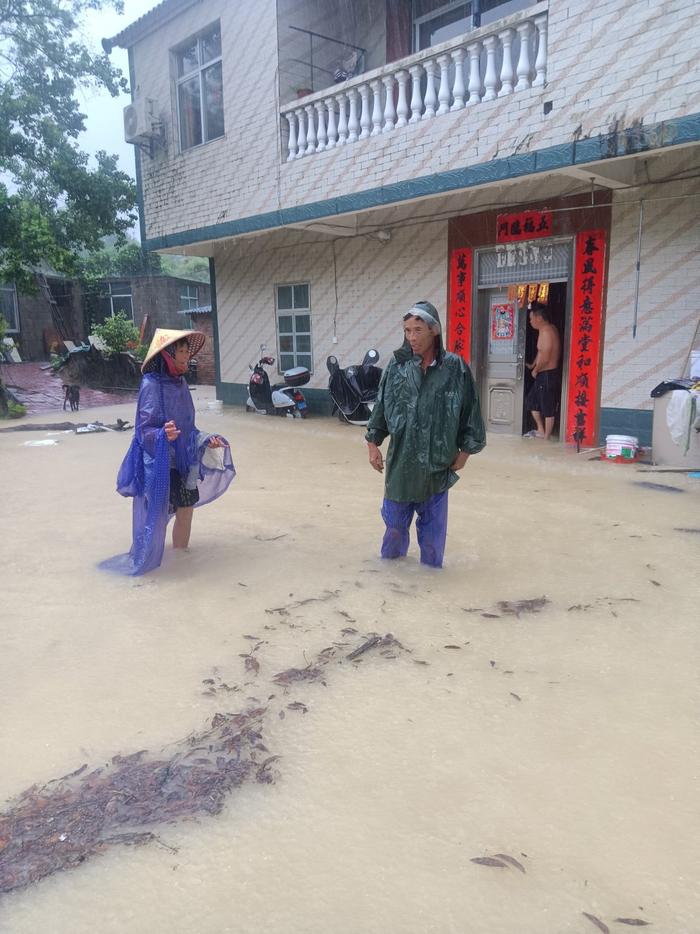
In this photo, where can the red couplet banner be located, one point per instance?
(527, 225)
(586, 337)
(459, 306)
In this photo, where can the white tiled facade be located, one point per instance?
(609, 65)
(669, 291)
(376, 283)
(615, 70)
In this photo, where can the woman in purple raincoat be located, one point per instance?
(170, 466)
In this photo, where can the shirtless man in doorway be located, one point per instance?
(543, 398)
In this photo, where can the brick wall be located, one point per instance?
(37, 327)
(206, 373)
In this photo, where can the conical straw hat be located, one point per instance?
(164, 337)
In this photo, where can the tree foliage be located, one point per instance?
(125, 260)
(53, 203)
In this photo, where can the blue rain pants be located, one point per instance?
(431, 528)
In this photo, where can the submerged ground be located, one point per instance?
(565, 737)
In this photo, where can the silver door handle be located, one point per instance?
(519, 371)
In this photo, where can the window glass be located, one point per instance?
(211, 45)
(294, 329)
(284, 298)
(286, 362)
(301, 296)
(122, 303)
(187, 61)
(200, 99)
(188, 297)
(436, 21)
(190, 113)
(491, 10)
(8, 307)
(213, 102)
(447, 25)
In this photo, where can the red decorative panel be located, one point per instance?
(586, 337)
(528, 225)
(459, 308)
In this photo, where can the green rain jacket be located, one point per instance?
(430, 417)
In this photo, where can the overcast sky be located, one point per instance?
(104, 114)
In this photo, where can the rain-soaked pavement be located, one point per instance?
(41, 390)
(521, 756)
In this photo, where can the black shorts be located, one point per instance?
(544, 394)
(180, 496)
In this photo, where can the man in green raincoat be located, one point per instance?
(429, 406)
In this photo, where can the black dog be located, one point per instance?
(73, 396)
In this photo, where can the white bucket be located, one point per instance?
(623, 446)
(695, 364)
(216, 407)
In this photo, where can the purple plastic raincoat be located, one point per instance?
(145, 471)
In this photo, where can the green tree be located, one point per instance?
(54, 205)
(126, 260)
(118, 332)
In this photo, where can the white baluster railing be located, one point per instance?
(431, 99)
(475, 68)
(417, 95)
(506, 38)
(475, 85)
(332, 127)
(458, 89)
(389, 110)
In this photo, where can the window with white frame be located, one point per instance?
(436, 21)
(189, 297)
(200, 98)
(117, 298)
(8, 307)
(294, 326)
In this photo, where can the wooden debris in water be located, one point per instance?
(516, 607)
(511, 860)
(59, 825)
(601, 925)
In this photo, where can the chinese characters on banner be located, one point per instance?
(502, 321)
(586, 327)
(459, 310)
(524, 226)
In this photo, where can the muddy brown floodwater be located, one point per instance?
(525, 761)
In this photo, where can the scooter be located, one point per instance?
(354, 389)
(281, 399)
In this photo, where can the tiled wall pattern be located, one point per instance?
(215, 182)
(611, 64)
(669, 289)
(376, 284)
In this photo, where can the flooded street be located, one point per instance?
(562, 734)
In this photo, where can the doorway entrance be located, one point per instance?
(504, 340)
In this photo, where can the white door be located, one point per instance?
(504, 370)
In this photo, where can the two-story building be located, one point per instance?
(338, 161)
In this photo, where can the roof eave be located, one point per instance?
(148, 23)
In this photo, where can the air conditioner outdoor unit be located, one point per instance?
(139, 121)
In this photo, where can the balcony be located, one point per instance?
(488, 63)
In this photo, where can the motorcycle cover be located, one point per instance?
(354, 386)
